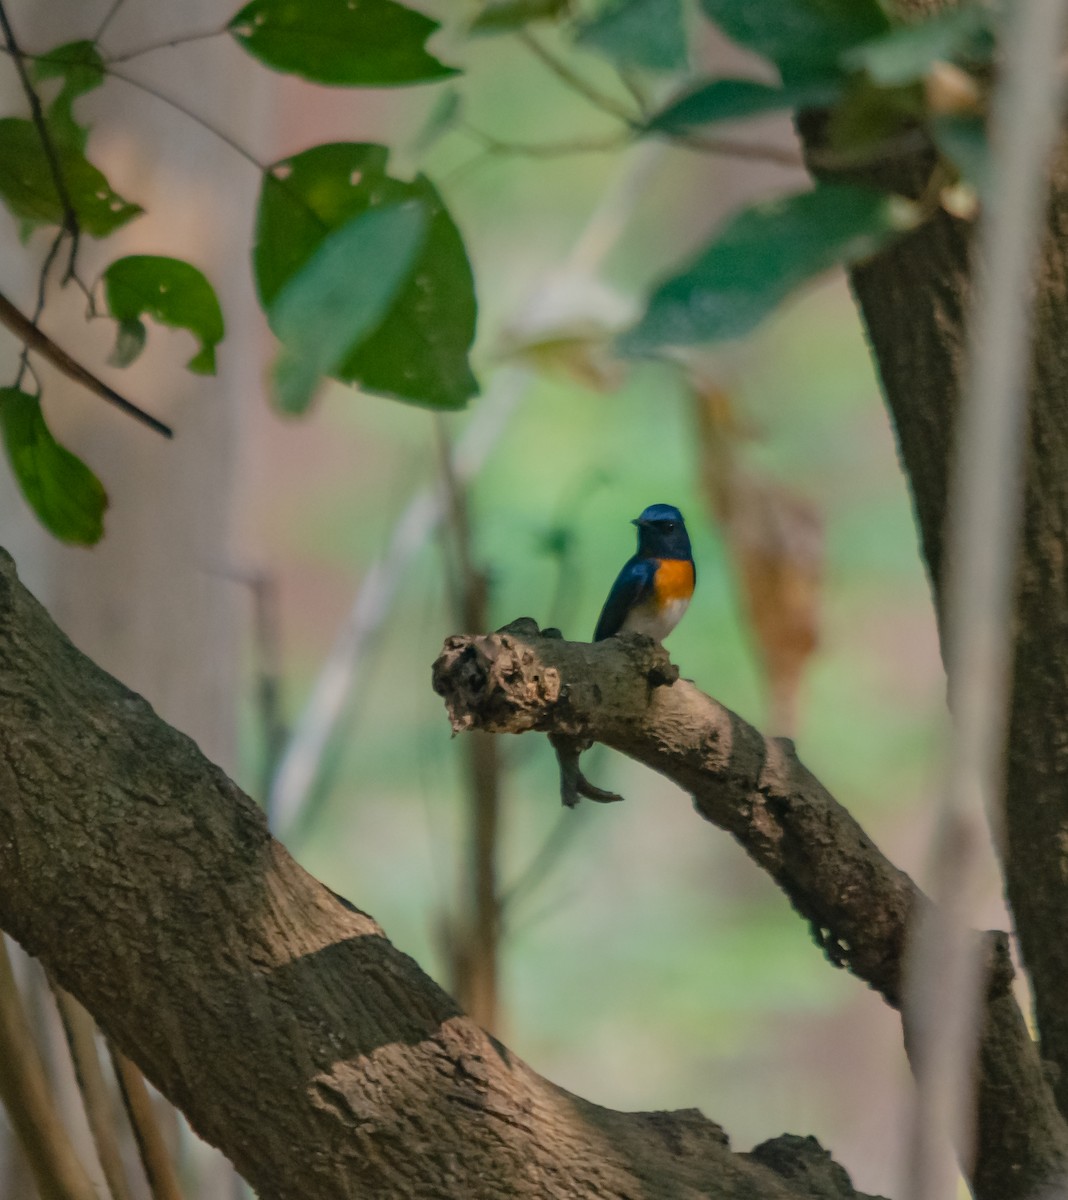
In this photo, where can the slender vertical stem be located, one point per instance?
(96, 1095)
(155, 1157)
(985, 506)
(27, 1098)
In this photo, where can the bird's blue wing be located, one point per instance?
(633, 586)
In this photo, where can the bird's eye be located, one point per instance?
(669, 526)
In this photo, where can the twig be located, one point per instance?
(476, 950)
(984, 513)
(70, 218)
(196, 118)
(42, 287)
(40, 343)
(164, 44)
(734, 148)
(96, 1095)
(102, 28)
(314, 728)
(561, 149)
(575, 81)
(156, 1159)
(26, 1097)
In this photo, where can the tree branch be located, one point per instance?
(278, 1017)
(858, 905)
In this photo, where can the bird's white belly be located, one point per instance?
(653, 622)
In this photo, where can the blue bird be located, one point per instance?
(654, 588)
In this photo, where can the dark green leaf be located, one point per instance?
(907, 53)
(361, 43)
(868, 116)
(340, 295)
(171, 292)
(638, 33)
(803, 38)
(28, 189)
(129, 342)
(81, 68)
(733, 99)
(760, 256)
(67, 497)
(419, 352)
(505, 16)
(962, 139)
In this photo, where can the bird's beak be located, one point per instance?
(638, 521)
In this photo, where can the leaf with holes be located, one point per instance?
(361, 43)
(761, 255)
(66, 496)
(81, 68)
(340, 295)
(171, 292)
(638, 33)
(28, 189)
(736, 99)
(419, 350)
(805, 39)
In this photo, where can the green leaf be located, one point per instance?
(28, 189)
(907, 53)
(81, 68)
(340, 295)
(962, 139)
(129, 342)
(803, 38)
(868, 116)
(760, 256)
(444, 115)
(171, 292)
(67, 497)
(638, 33)
(359, 43)
(734, 99)
(505, 16)
(419, 351)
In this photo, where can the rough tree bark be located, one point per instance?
(275, 1014)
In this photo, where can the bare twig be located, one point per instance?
(984, 509)
(476, 942)
(164, 44)
(155, 1157)
(561, 149)
(196, 118)
(106, 20)
(26, 1097)
(96, 1095)
(40, 343)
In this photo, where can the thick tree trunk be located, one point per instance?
(276, 1015)
(914, 303)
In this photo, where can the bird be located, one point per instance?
(653, 589)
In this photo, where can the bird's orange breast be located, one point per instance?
(674, 580)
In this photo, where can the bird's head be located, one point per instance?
(662, 533)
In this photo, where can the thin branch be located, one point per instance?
(102, 28)
(40, 343)
(164, 44)
(859, 907)
(155, 1157)
(42, 287)
(26, 1096)
(561, 149)
(984, 512)
(576, 82)
(735, 148)
(70, 218)
(203, 122)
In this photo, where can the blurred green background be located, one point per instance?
(651, 966)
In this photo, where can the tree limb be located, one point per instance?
(858, 905)
(320, 1059)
